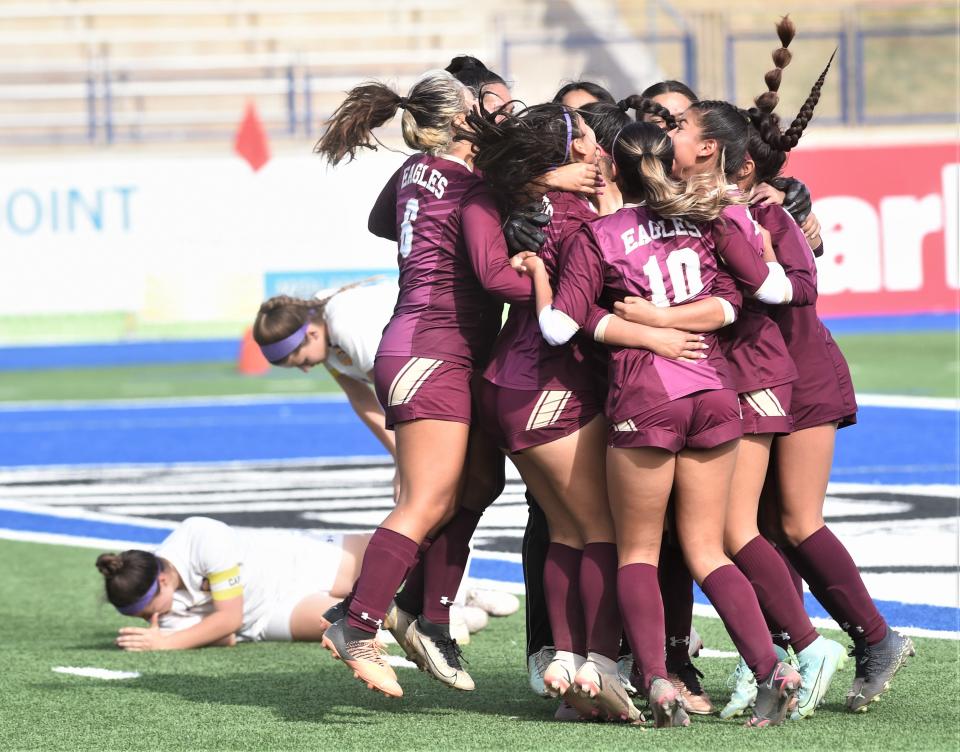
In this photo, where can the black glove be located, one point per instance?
(522, 229)
(796, 198)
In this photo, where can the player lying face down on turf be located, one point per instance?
(822, 400)
(674, 425)
(454, 277)
(339, 329)
(208, 584)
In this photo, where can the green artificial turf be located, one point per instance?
(918, 363)
(294, 696)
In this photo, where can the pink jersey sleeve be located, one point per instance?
(580, 279)
(383, 216)
(793, 253)
(740, 247)
(483, 238)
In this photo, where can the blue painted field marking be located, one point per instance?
(889, 444)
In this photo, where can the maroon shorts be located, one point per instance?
(411, 388)
(767, 410)
(698, 421)
(519, 418)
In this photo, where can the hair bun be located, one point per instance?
(464, 62)
(109, 564)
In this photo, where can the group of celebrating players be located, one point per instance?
(662, 384)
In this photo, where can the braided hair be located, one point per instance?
(642, 105)
(607, 120)
(768, 144)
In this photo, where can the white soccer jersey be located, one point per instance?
(270, 568)
(355, 321)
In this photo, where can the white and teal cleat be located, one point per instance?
(817, 663)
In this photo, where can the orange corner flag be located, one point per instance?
(251, 361)
(251, 141)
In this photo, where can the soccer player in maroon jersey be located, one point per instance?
(675, 425)
(452, 259)
(823, 400)
(546, 404)
(711, 134)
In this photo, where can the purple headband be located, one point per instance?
(566, 117)
(137, 606)
(275, 352)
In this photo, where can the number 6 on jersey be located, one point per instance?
(406, 227)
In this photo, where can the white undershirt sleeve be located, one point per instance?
(557, 328)
(776, 288)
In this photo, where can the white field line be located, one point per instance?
(244, 400)
(700, 609)
(96, 673)
(904, 400)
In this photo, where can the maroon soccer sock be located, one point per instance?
(676, 590)
(730, 593)
(410, 599)
(598, 593)
(775, 592)
(794, 574)
(638, 591)
(835, 581)
(561, 586)
(388, 557)
(444, 565)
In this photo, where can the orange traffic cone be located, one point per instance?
(251, 361)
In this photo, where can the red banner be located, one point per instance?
(889, 223)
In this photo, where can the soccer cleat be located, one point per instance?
(625, 667)
(690, 692)
(744, 686)
(880, 663)
(336, 612)
(361, 652)
(472, 617)
(665, 705)
(858, 652)
(397, 622)
(558, 680)
(439, 653)
(536, 665)
(775, 695)
(494, 602)
(597, 679)
(817, 663)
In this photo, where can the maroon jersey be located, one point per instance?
(823, 391)
(454, 269)
(754, 346)
(521, 358)
(666, 261)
